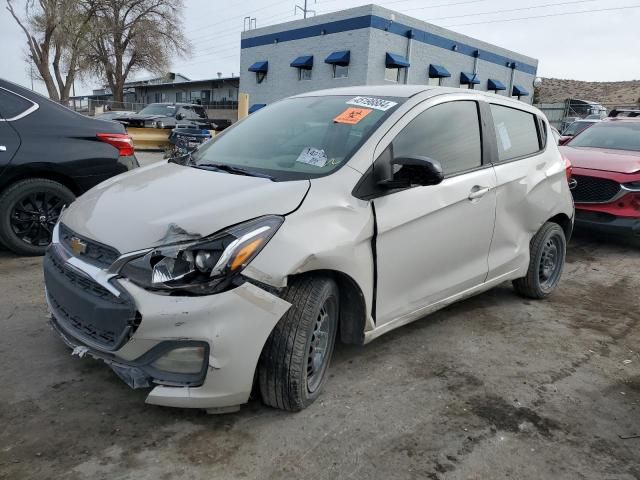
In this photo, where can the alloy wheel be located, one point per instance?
(34, 216)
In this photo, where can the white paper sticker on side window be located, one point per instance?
(370, 102)
(503, 133)
(313, 156)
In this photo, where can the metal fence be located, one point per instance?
(94, 107)
(560, 115)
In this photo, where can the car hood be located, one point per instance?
(620, 161)
(141, 117)
(168, 203)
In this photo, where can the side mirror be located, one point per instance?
(416, 170)
(180, 116)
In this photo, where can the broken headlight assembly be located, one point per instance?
(203, 266)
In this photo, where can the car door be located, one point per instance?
(12, 106)
(433, 241)
(524, 190)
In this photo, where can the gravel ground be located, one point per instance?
(495, 387)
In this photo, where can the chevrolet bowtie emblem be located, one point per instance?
(78, 246)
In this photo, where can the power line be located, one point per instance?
(513, 9)
(545, 16)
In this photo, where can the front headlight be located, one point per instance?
(203, 266)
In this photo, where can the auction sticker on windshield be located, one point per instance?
(313, 156)
(371, 102)
(352, 115)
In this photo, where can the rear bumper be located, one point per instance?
(608, 223)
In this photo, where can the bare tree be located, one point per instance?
(133, 35)
(56, 32)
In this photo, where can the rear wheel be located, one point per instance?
(29, 209)
(296, 356)
(548, 249)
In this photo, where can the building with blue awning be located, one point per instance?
(372, 45)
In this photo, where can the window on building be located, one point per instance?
(392, 74)
(340, 71)
(179, 97)
(260, 76)
(304, 74)
(434, 82)
(448, 133)
(158, 97)
(516, 132)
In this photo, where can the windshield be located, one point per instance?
(577, 127)
(614, 135)
(298, 138)
(158, 109)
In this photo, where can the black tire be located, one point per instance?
(28, 211)
(290, 376)
(548, 250)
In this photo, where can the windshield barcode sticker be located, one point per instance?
(313, 156)
(370, 102)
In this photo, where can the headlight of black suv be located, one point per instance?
(203, 266)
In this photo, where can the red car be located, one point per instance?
(606, 175)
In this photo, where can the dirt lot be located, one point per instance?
(495, 387)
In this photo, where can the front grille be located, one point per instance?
(85, 309)
(594, 189)
(94, 253)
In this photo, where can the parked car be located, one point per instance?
(168, 115)
(342, 213)
(49, 155)
(575, 128)
(606, 170)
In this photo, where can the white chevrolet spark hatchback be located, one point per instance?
(341, 213)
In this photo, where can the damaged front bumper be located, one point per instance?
(231, 327)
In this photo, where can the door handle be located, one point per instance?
(478, 192)
(3, 148)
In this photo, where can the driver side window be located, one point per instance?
(448, 133)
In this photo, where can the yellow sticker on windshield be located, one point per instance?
(352, 115)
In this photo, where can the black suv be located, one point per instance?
(49, 155)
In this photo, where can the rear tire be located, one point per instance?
(548, 250)
(295, 359)
(29, 210)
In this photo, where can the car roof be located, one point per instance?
(621, 119)
(176, 104)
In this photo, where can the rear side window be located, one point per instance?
(516, 132)
(12, 105)
(448, 133)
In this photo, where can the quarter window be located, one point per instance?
(516, 132)
(448, 133)
(12, 105)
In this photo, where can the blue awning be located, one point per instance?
(438, 71)
(339, 58)
(396, 61)
(306, 62)
(495, 85)
(256, 106)
(469, 79)
(518, 91)
(259, 67)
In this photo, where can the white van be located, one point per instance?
(340, 213)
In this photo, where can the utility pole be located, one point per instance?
(304, 10)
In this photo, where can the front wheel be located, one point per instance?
(29, 209)
(296, 356)
(548, 249)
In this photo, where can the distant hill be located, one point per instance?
(606, 93)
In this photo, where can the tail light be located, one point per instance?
(121, 141)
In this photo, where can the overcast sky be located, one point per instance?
(596, 46)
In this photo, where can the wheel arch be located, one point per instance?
(353, 310)
(29, 174)
(565, 223)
